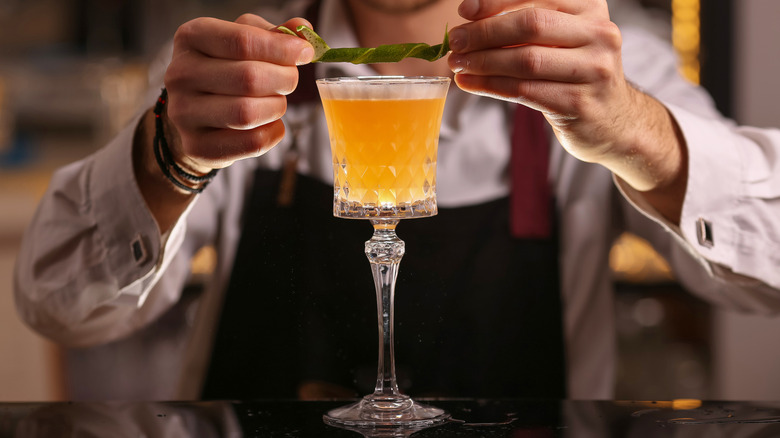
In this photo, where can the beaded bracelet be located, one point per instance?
(165, 159)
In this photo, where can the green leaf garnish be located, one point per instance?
(372, 55)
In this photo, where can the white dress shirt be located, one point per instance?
(80, 282)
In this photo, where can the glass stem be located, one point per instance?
(384, 252)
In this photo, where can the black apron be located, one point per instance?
(477, 312)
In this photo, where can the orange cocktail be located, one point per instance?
(384, 149)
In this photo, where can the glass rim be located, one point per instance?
(382, 79)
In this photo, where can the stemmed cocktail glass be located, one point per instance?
(384, 135)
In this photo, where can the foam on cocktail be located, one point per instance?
(385, 87)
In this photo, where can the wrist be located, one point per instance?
(654, 152)
(165, 201)
(185, 175)
(653, 159)
(174, 143)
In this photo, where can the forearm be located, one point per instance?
(650, 155)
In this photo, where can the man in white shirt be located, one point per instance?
(109, 249)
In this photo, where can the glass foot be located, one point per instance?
(398, 412)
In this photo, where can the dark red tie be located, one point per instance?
(530, 198)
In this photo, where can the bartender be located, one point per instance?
(502, 294)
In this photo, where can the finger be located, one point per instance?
(214, 111)
(235, 78)
(257, 21)
(531, 26)
(529, 62)
(479, 9)
(227, 40)
(217, 148)
(535, 94)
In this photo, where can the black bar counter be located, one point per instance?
(470, 418)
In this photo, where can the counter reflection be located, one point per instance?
(471, 418)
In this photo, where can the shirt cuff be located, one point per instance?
(716, 212)
(129, 232)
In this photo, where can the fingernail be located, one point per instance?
(306, 55)
(457, 63)
(458, 39)
(468, 8)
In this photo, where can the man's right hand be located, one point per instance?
(227, 83)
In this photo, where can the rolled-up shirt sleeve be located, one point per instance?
(92, 251)
(726, 245)
(731, 211)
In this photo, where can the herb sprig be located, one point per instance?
(370, 55)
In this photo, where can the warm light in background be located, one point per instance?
(632, 259)
(686, 36)
(678, 404)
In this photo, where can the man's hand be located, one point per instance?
(563, 57)
(227, 84)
